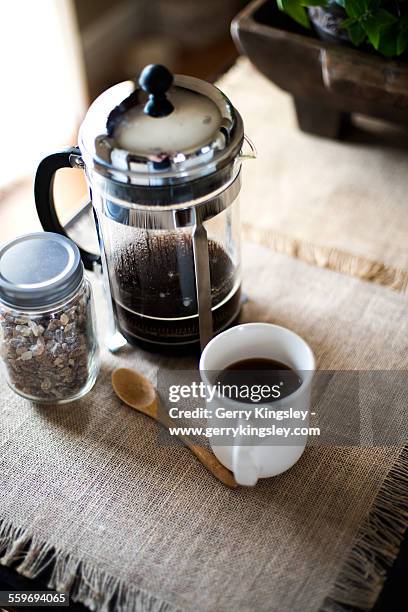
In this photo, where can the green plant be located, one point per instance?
(382, 24)
(297, 9)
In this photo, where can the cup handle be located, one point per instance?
(44, 198)
(244, 464)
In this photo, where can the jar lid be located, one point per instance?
(39, 270)
(160, 130)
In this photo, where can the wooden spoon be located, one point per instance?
(137, 391)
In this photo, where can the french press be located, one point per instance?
(163, 163)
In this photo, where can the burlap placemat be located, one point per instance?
(337, 204)
(144, 523)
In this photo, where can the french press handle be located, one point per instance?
(44, 196)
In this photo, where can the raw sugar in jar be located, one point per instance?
(48, 339)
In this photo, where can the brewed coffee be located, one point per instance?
(154, 295)
(258, 372)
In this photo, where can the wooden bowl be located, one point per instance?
(327, 81)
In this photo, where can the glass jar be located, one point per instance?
(47, 325)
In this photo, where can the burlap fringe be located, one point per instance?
(358, 583)
(376, 545)
(333, 259)
(92, 587)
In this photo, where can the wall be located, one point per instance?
(120, 36)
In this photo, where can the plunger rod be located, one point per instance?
(203, 284)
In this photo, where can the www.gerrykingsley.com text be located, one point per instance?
(245, 431)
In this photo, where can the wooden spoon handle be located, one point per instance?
(207, 458)
(210, 461)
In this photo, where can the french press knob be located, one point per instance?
(156, 80)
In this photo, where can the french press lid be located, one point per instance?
(161, 131)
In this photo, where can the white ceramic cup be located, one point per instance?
(267, 341)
